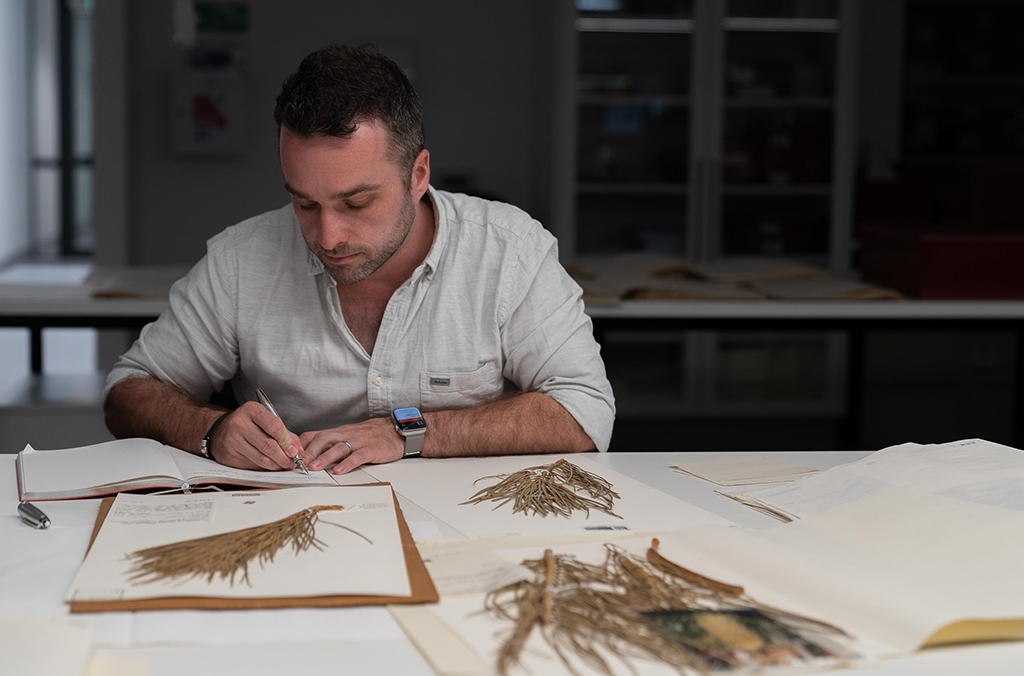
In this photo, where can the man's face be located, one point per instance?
(353, 203)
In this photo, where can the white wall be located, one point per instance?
(474, 75)
(14, 149)
(110, 134)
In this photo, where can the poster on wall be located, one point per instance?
(207, 113)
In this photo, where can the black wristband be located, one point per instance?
(204, 447)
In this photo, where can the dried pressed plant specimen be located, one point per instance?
(591, 614)
(229, 554)
(549, 489)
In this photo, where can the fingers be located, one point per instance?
(331, 454)
(274, 427)
(319, 442)
(251, 438)
(357, 458)
(373, 441)
(298, 445)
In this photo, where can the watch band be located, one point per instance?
(204, 446)
(413, 445)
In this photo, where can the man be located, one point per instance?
(370, 292)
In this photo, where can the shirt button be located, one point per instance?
(378, 381)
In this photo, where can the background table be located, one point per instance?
(37, 567)
(37, 308)
(854, 318)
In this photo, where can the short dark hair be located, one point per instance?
(338, 87)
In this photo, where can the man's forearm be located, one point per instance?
(144, 407)
(526, 423)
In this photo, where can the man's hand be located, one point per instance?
(373, 442)
(251, 437)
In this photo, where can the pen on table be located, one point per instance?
(265, 400)
(33, 516)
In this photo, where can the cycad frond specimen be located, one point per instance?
(549, 489)
(594, 613)
(229, 554)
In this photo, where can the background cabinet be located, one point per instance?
(710, 129)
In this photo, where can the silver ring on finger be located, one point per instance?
(350, 449)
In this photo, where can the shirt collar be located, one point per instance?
(433, 258)
(315, 266)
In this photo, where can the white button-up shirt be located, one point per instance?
(490, 310)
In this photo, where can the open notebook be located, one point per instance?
(143, 464)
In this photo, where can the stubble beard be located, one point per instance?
(353, 274)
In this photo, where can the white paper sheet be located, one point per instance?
(971, 470)
(891, 568)
(27, 645)
(793, 500)
(482, 633)
(446, 651)
(463, 573)
(191, 465)
(348, 564)
(745, 472)
(439, 485)
(111, 665)
(107, 463)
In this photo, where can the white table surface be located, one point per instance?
(50, 299)
(36, 567)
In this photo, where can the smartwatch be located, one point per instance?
(410, 424)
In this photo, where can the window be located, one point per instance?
(60, 85)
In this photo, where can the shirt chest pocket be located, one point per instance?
(458, 389)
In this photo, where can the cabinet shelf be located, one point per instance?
(633, 25)
(788, 189)
(928, 83)
(954, 158)
(779, 102)
(639, 100)
(780, 25)
(630, 188)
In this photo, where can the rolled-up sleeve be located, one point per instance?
(548, 340)
(193, 345)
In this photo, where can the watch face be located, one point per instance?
(409, 419)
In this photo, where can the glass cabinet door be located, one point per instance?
(651, 372)
(778, 94)
(765, 374)
(634, 60)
